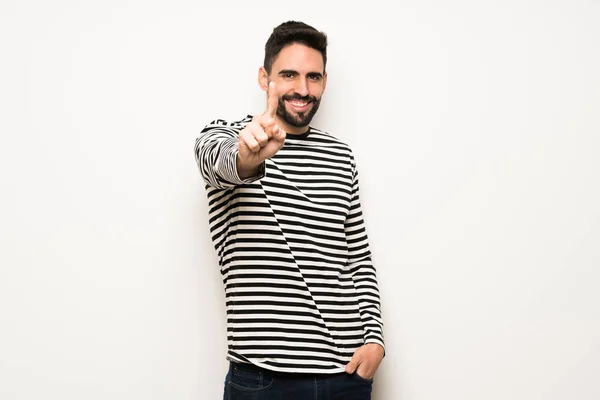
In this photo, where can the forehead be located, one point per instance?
(298, 57)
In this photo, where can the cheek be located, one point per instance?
(285, 89)
(316, 89)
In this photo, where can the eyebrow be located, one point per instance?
(292, 72)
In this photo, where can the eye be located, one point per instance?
(314, 77)
(288, 75)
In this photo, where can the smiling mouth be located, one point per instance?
(299, 105)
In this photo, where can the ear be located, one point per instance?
(263, 79)
(324, 81)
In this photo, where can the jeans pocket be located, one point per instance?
(248, 380)
(360, 378)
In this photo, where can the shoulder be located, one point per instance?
(326, 139)
(222, 128)
(335, 146)
(223, 123)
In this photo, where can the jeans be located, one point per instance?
(249, 382)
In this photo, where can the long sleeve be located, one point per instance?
(362, 269)
(216, 152)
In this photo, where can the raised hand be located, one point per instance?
(260, 139)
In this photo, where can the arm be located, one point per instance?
(229, 154)
(362, 270)
(366, 359)
(216, 152)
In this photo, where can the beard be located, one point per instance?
(301, 119)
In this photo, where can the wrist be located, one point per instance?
(246, 170)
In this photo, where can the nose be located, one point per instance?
(302, 87)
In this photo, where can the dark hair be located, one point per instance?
(294, 32)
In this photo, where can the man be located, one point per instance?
(303, 311)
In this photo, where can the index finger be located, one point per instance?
(272, 100)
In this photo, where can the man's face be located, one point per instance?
(298, 72)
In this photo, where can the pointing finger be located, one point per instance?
(272, 100)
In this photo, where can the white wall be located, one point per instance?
(475, 125)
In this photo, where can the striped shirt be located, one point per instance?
(300, 287)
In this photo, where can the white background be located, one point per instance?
(476, 129)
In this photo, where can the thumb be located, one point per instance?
(278, 134)
(354, 363)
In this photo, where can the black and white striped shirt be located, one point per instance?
(301, 289)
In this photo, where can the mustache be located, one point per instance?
(296, 96)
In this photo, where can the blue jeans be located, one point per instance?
(249, 382)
